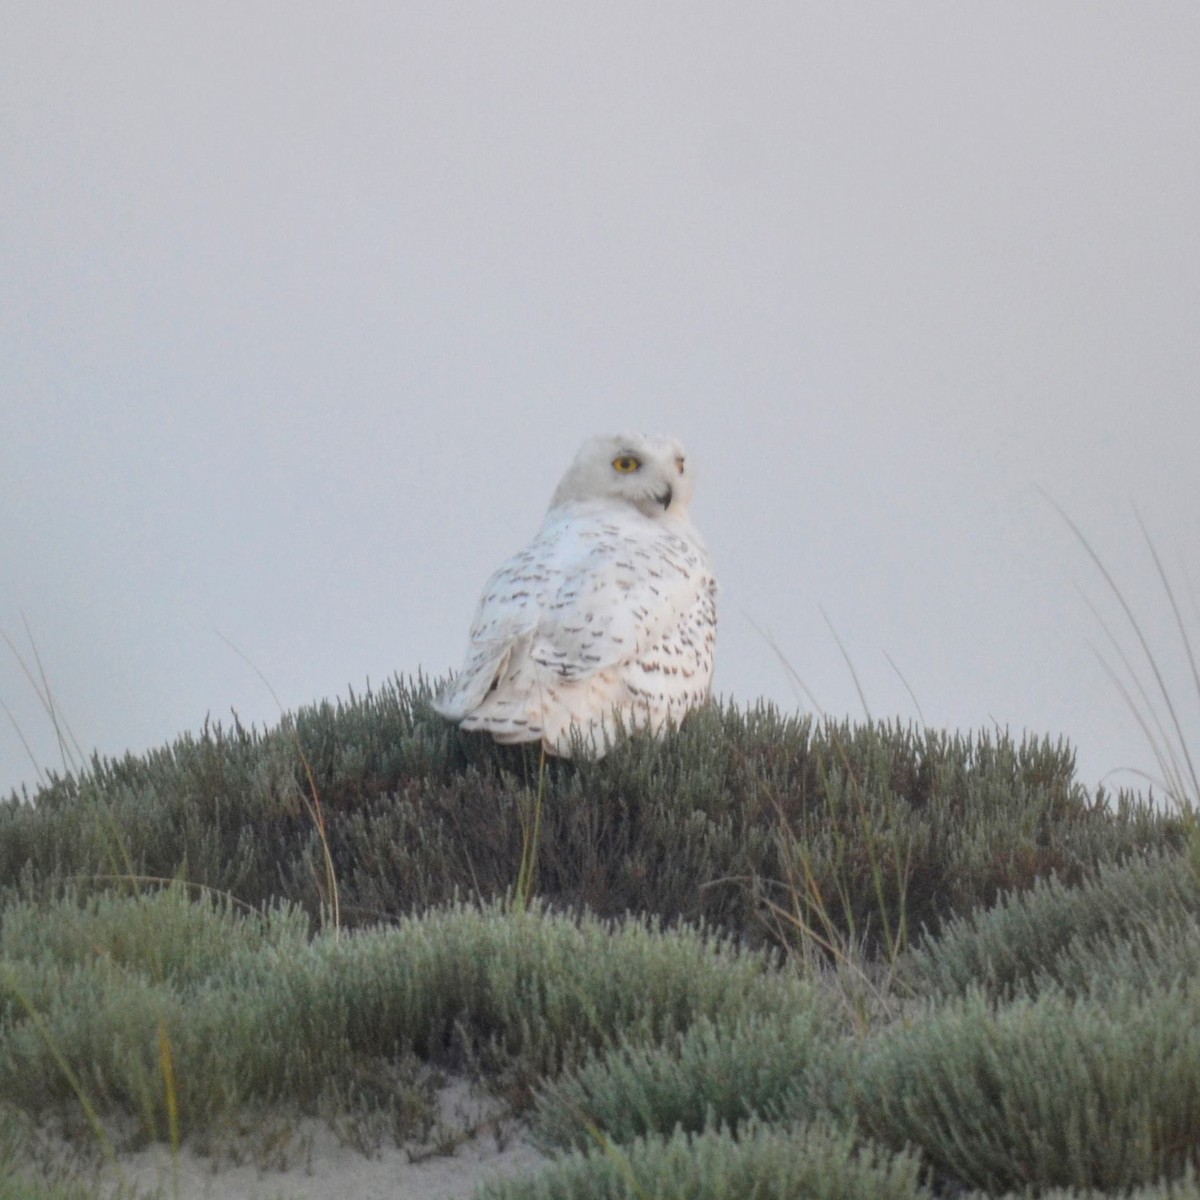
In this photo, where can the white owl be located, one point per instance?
(608, 615)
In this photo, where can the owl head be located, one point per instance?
(649, 473)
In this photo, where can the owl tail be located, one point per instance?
(470, 687)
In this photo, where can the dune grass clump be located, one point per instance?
(1186, 1187)
(281, 1018)
(712, 1075)
(1050, 1092)
(820, 1162)
(1133, 926)
(771, 827)
(160, 936)
(20, 1187)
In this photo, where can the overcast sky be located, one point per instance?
(305, 307)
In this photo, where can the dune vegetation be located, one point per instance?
(767, 956)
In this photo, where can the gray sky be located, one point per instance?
(305, 307)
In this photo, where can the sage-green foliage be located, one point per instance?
(1134, 925)
(817, 1162)
(21, 1187)
(1054, 1091)
(1095, 1085)
(713, 1074)
(280, 1017)
(891, 828)
(1185, 1187)
(764, 956)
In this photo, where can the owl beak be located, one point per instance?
(664, 497)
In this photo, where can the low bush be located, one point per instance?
(1187, 1187)
(861, 960)
(1134, 925)
(280, 1018)
(878, 830)
(818, 1162)
(713, 1074)
(1041, 1093)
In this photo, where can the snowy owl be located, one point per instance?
(607, 617)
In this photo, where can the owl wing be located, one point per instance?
(506, 614)
(624, 588)
(585, 595)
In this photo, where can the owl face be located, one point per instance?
(649, 473)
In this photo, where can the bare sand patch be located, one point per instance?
(307, 1159)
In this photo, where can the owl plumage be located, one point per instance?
(608, 616)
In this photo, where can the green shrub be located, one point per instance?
(280, 1017)
(162, 936)
(19, 1187)
(1185, 1188)
(816, 1162)
(713, 1074)
(1047, 1092)
(177, 908)
(1135, 925)
(892, 829)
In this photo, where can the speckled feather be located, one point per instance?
(608, 616)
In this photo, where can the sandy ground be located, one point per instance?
(308, 1161)
(330, 1171)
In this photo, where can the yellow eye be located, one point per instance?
(626, 464)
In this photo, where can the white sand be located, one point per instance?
(309, 1162)
(329, 1171)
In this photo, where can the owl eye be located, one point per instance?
(626, 464)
